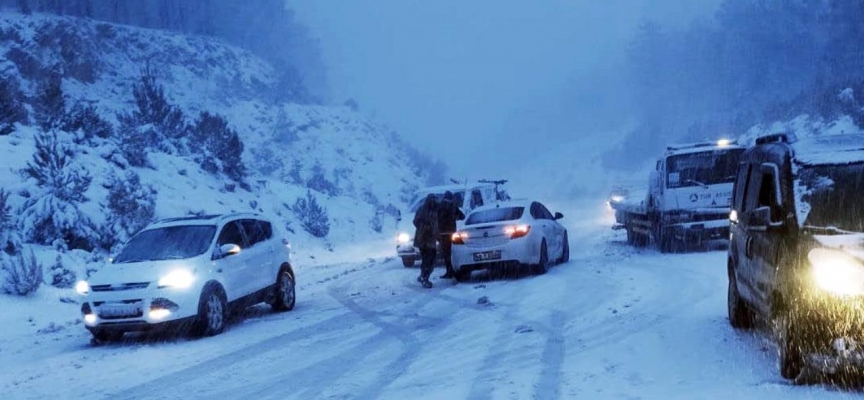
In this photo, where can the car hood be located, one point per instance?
(146, 271)
(852, 244)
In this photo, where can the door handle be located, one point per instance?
(748, 247)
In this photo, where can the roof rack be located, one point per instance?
(189, 218)
(777, 138)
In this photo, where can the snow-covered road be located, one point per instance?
(614, 322)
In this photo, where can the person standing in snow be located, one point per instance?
(426, 238)
(448, 214)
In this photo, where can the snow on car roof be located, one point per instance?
(830, 150)
(698, 148)
(504, 204)
(452, 188)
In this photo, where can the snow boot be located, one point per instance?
(426, 283)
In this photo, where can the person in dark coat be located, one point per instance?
(426, 238)
(448, 214)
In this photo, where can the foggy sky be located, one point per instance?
(479, 83)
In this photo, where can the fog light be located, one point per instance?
(159, 313)
(90, 319)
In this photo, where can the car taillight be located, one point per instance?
(517, 231)
(459, 237)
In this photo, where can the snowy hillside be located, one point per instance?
(359, 171)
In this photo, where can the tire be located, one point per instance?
(462, 274)
(285, 294)
(790, 360)
(739, 315)
(565, 253)
(664, 240)
(212, 311)
(106, 336)
(407, 262)
(542, 266)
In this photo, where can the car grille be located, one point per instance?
(120, 287)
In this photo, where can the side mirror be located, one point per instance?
(654, 180)
(558, 216)
(227, 249)
(398, 215)
(760, 220)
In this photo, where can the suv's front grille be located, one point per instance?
(119, 287)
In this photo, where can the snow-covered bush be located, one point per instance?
(21, 275)
(313, 217)
(211, 133)
(319, 182)
(49, 106)
(135, 140)
(55, 214)
(85, 118)
(131, 205)
(12, 109)
(9, 240)
(294, 176)
(61, 277)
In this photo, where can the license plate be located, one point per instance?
(119, 310)
(487, 255)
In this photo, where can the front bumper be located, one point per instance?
(138, 310)
(699, 232)
(407, 251)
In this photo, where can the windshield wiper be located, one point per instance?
(134, 260)
(828, 230)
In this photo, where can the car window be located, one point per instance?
(495, 215)
(740, 188)
(544, 212)
(232, 234)
(535, 213)
(256, 231)
(476, 199)
(768, 194)
(751, 193)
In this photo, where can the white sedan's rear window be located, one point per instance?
(495, 215)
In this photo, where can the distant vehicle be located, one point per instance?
(796, 254)
(688, 197)
(186, 272)
(515, 233)
(478, 194)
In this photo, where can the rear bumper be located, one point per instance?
(514, 252)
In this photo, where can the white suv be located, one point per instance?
(185, 273)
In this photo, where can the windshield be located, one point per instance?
(169, 243)
(705, 168)
(458, 199)
(833, 196)
(495, 215)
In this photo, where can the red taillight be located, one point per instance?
(459, 237)
(517, 231)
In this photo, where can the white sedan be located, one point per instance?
(516, 233)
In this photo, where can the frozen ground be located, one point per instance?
(612, 323)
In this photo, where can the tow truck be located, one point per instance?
(688, 197)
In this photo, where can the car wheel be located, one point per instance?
(790, 359)
(106, 336)
(408, 262)
(565, 253)
(286, 294)
(739, 314)
(211, 311)
(664, 240)
(462, 274)
(543, 265)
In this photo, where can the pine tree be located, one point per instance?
(12, 110)
(61, 277)
(50, 104)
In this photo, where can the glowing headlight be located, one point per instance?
(724, 143)
(403, 238)
(837, 272)
(82, 287)
(617, 199)
(180, 279)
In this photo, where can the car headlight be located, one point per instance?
(180, 279)
(82, 287)
(617, 199)
(403, 238)
(837, 272)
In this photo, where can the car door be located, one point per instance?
(233, 268)
(555, 234)
(260, 256)
(738, 231)
(763, 245)
(541, 224)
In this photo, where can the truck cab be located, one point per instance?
(467, 196)
(688, 197)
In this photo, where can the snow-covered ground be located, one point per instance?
(614, 322)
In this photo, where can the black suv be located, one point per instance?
(796, 253)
